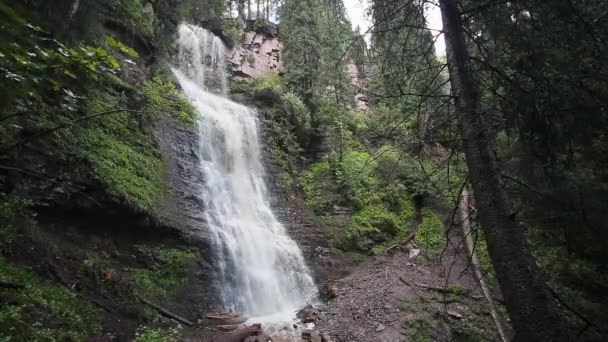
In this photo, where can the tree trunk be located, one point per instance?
(257, 11)
(241, 10)
(531, 307)
(74, 8)
(248, 9)
(267, 9)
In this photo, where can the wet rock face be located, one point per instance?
(258, 55)
(183, 206)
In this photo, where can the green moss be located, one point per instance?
(42, 312)
(163, 100)
(431, 233)
(121, 147)
(419, 329)
(169, 276)
(133, 172)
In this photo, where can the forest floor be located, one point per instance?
(384, 299)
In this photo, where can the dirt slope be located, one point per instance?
(381, 301)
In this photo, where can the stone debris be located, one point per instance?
(454, 314)
(414, 252)
(315, 336)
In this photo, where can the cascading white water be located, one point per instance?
(261, 270)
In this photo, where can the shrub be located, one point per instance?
(357, 177)
(320, 188)
(172, 274)
(419, 329)
(232, 31)
(431, 233)
(263, 26)
(372, 225)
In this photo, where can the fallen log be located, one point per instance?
(223, 315)
(404, 281)
(228, 327)
(165, 312)
(11, 285)
(240, 334)
(434, 288)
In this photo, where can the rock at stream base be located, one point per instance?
(315, 336)
(308, 314)
(260, 338)
(328, 291)
(414, 253)
(380, 327)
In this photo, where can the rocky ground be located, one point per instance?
(387, 298)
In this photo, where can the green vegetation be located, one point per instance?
(148, 334)
(459, 290)
(42, 312)
(170, 276)
(320, 189)
(406, 305)
(232, 31)
(132, 15)
(419, 329)
(75, 90)
(431, 233)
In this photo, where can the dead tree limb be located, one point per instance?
(433, 288)
(465, 222)
(165, 312)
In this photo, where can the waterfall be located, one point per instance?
(260, 269)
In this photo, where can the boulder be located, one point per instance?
(328, 291)
(308, 314)
(312, 336)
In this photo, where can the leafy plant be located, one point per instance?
(150, 334)
(169, 276)
(419, 329)
(431, 233)
(43, 312)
